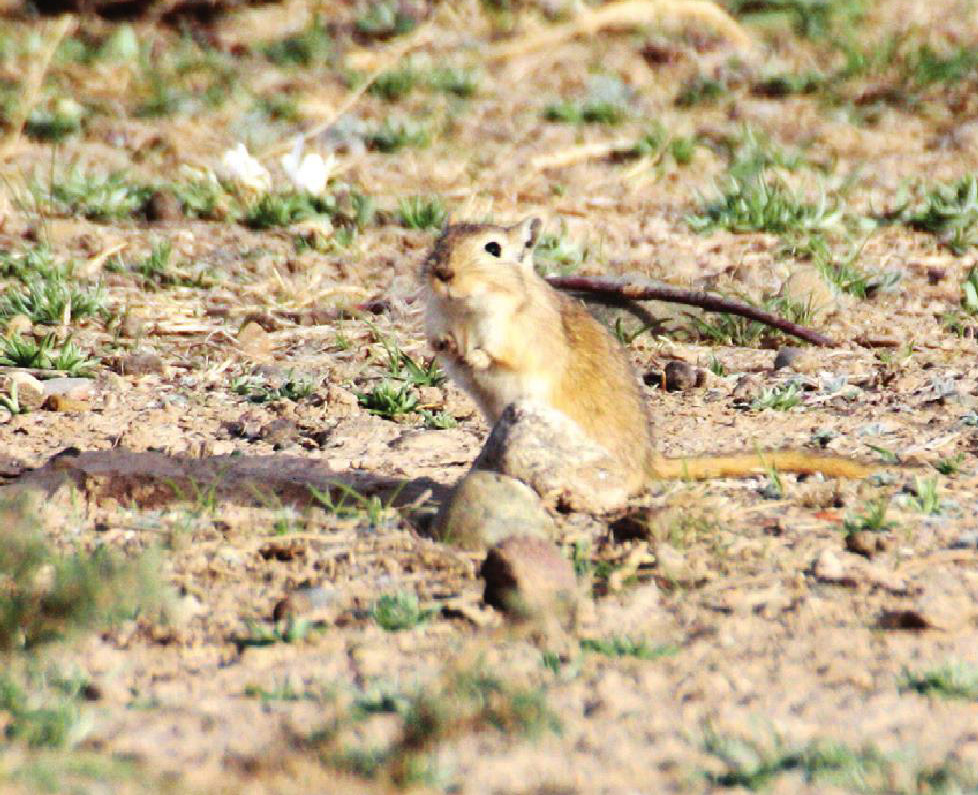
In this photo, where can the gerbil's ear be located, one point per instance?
(526, 234)
(529, 231)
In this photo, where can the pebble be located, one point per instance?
(828, 567)
(549, 452)
(254, 340)
(163, 205)
(866, 543)
(138, 364)
(131, 326)
(681, 376)
(30, 391)
(801, 360)
(487, 507)
(527, 576)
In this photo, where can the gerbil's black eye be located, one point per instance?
(494, 248)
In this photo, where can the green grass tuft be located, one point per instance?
(47, 595)
(958, 682)
(98, 197)
(763, 204)
(422, 212)
(400, 611)
(394, 135)
(49, 299)
(620, 646)
(949, 212)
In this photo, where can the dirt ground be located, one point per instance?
(763, 633)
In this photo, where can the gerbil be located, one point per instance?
(504, 334)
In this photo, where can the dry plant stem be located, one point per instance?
(634, 291)
(382, 63)
(33, 83)
(626, 14)
(575, 154)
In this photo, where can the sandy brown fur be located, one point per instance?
(505, 335)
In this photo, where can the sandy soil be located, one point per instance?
(770, 637)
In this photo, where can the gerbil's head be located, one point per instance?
(469, 260)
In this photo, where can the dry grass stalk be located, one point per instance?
(380, 63)
(33, 83)
(576, 154)
(627, 14)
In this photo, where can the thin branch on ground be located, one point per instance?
(640, 290)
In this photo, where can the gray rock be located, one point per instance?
(801, 360)
(547, 451)
(487, 507)
(30, 391)
(138, 364)
(680, 377)
(785, 357)
(527, 576)
(309, 602)
(279, 432)
(254, 340)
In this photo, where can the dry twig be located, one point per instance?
(627, 14)
(634, 290)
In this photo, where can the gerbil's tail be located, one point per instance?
(741, 465)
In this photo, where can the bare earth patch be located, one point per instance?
(261, 441)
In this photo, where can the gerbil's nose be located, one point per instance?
(443, 273)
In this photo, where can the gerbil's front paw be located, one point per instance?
(478, 359)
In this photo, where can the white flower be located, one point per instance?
(309, 173)
(239, 166)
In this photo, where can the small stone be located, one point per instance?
(549, 452)
(801, 360)
(30, 391)
(254, 340)
(318, 603)
(138, 364)
(279, 432)
(527, 576)
(747, 387)
(342, 402)
(487, 507)
(785, 357)
(163, 205)
(828, 567)
(431, 397)
(19, 325)
(681, 376)
(865, 543)
(131, 326)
